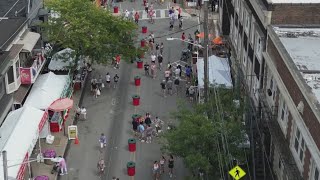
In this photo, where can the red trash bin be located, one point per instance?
(115, 9)
(136, 100)
(139, 64)
(137, 80)
(144, 29)
(132, 144)
(131, 168)
(142, 43)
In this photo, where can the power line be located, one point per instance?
(9, 10)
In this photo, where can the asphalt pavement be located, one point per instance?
(111, 113)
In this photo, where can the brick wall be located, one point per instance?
(308, 116)
(306, 165)
(296, 14)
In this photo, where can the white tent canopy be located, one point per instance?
(62, 60)
(45, 90)
(219, 72)
(19, 134)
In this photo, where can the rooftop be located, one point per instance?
(293, 1)
(10, 7)
(9, 27)
(303, 45)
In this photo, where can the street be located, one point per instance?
(111, 112)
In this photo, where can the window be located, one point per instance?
(10, 75)
(299, 145)
(284, 111)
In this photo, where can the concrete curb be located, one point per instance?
(75, 120)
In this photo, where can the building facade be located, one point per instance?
(20, 51)
(283, 107)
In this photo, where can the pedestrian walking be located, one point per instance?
(147, 120)
(158, 124)
(183, 36)
(141, 131)
(171, 165)
(151, 16)
(162, 162)
(153, 70)
(188, 73)
(83, 112)
(177, 72)
(180, 68)
(135, 126)
(63, 166)
(176, 84)
(163, 87)
(167, 74)
(146, 69)
(118, 58)
(153, 58)
(108, 79)
(136, 18)
(191, 93)
(171, 24)
(126, 14)
(95, 89)
(160, 59)
(115, 80)
(146, 8)
(180, 23)
(161, 48)
(148, 133)
(100, 82)
(156, 170)
(169, 86)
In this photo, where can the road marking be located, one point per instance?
(144, 15)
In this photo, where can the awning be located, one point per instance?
(21, 93)
(47, 88)
(29, 41)
(19, 134)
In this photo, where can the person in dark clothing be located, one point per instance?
(148, 121)
(135, 126)
(146, 69)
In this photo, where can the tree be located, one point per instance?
(208, 135)
(89, 30)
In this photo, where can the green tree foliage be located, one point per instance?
(202, 131)
(89, 30)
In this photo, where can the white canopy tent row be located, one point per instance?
(19, 134)
(219, 73)
(48, 88)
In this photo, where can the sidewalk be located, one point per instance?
(61, 143)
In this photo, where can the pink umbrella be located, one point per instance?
(61, 104)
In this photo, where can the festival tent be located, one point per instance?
(62, 60)
(46, 90)
(219, 72)
(19, 134)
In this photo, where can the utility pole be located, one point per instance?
(206, 54)
(5, 165)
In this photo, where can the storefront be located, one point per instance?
(19, 134)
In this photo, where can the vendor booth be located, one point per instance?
(19, 134)
(62, 60)
(219, 73)
(47, 89)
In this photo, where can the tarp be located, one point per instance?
(19, 134)
(62, 60)
(219, 72)
(46, 90)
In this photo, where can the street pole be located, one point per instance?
(206, 55)
(5, 165)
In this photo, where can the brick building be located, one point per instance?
(275, 57)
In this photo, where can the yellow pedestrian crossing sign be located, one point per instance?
(237, 173)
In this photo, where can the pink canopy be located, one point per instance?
(61, 104)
